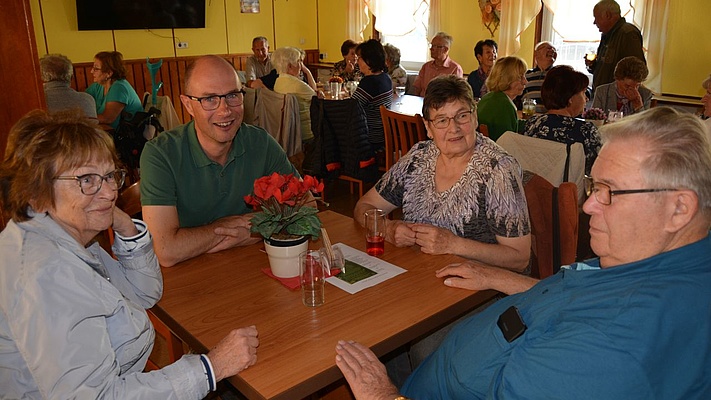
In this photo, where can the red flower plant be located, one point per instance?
(282, 200)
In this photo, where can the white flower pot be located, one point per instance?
(284, 255)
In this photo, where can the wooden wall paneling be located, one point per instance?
(176, 73)
(20, 81)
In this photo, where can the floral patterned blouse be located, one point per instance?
(564, 129)
(487, 201)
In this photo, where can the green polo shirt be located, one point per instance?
(175, 171)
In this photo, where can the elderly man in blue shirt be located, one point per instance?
(630, 324)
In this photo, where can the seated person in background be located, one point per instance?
(348, 68)
(73, 320)
(289, 63)
(706, 100)
(496, 109)
(374, 90)
(259, 64)
(563, 94)
(110, 90)
(543, 59)
(57, 72)
(460, 193)
(194, 177)
(485, 53)
(267, 81)
(592, 331)
(440, 64)
(397, 73)
(626, 93)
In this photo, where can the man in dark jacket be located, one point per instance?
(619, 39)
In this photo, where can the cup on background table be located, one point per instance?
(613, 116)
(314, 268)
(335, 90)
(529, 108)
(375, 232)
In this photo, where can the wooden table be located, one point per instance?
(204, 298)
(411, 105)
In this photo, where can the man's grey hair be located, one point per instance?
(260, 39)
(610, 6)
(706, 84)
(541, 44)
(447, 38)
(285, 56)
(679, 149)
(56, 67)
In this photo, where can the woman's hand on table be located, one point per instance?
(399, 233)
(433, 239)
(236, 352)
(122, 224)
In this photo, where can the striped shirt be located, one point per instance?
(374, 91)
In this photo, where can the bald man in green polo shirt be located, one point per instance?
(194, 177)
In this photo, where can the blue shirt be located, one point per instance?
(636, 331)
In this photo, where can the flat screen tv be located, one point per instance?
(93, 15)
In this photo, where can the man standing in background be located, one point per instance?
(619, 39)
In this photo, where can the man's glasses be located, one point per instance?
(436, 46)
(209, 103)
(462, 118)
(90, 184)
(603, 193)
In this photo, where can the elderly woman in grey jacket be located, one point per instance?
(626, 93)
(73, 320)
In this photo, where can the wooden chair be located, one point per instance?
(129, 201)
(401, 133)
(553, 212)
(484, 129)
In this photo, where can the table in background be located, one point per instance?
(204, 298)
(411, 105)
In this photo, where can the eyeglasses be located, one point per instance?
(96, 68)
(462, 118)
(436, 46)
(603, 194)
(90, 184)
(209, 103)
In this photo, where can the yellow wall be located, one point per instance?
(321, 24)
(687, 53)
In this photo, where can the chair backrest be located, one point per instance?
(250, 102)
(401, 133)
(129, 199)
(554, 224)
(548, 159)
(278, 114)
(484, 129)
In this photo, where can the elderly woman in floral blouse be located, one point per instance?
(563, 95)
(460, 193)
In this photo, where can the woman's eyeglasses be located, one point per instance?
(210, 103)
(90, 184)
(462, 118)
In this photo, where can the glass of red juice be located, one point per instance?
(375, 232)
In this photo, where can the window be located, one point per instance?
(409, 34)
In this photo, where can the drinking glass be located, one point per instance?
(375, 232)
(399, 92)
(314, 267)
(529, 108)
(351, 87)
(613, 116)
(335, 90)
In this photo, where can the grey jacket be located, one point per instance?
(606, 98)
(73, 323)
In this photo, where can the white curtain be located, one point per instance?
(357, 19)
(397, 17)
(651, 17)
(575, 24)
(435, 22)
(516, 15)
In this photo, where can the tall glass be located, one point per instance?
(375, 232)
(399, 92)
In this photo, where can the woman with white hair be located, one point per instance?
(289, 63)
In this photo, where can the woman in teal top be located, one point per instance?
(496, 109)
(112, 93)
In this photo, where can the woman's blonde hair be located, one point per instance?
(506, 70)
